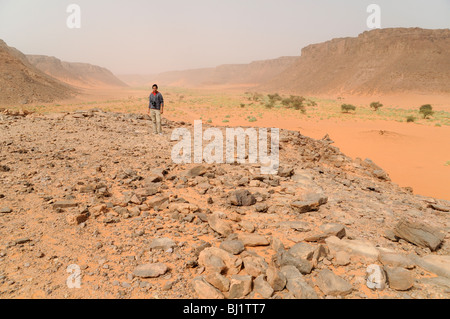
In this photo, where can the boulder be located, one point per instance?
(419, 234)
(332, 285)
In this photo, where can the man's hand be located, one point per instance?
(162, 111)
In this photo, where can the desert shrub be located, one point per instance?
(274, 97)
(311, 103)
(270, 104)
(242, 105)
(347, 108)
(252, 119)
(426, 110)
(294, 102)
(410, 119)
(375, 105)
(256, 96)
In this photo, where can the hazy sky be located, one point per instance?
(147, 37)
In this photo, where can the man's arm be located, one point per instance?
(162, 104)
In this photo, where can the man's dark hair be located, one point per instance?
(155, 85)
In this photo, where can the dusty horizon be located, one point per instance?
(200, 34)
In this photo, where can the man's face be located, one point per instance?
(155, 89)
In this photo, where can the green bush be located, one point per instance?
(347, 108)
(426, 110)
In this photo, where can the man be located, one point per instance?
(156, 108)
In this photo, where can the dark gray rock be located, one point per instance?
(241, 198)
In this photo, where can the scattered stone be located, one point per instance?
(262, 287)
(284, 258)
(199, 170)
(234, 247)
(255, 266)
(65, 204)
(331, 284)
(333, 229)
(342, 258)
(240, 286)
(440, 208)
(205, 290)
(296, 284)
(396, 260)
(302, 250)
(253, 240)
(247, 226)
(261, 207)
(439, 265)
(157, 201)
(76, 219)
(218, 281)
(309, 202)
(152, 270)
(419, 234)
(241, 198)
(220, 225)
(399, 278)
(285, 171)
(276, 278)
(208, 259)
(162, 243)
(358, 248)
(389, 234)
(5, 210)
(297, 225)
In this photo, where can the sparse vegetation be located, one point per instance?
(447, 163)
(294, 102)
(346, 108)
(410, 119)
(376, 105)
(426, 110)
(251, 119)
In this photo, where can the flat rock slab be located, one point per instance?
(357, 248)
(234, 247)
(150, 270)
(419, 234)
(333, 285)
(5, 210)
(253, 240)
(309, 202)
(162, 243)
(439, 265)
(65, 204)
(205, 290)
(296, 225)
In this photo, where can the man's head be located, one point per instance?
(155, 87)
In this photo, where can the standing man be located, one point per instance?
(155, 109)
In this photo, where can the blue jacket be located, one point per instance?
(155, 101)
